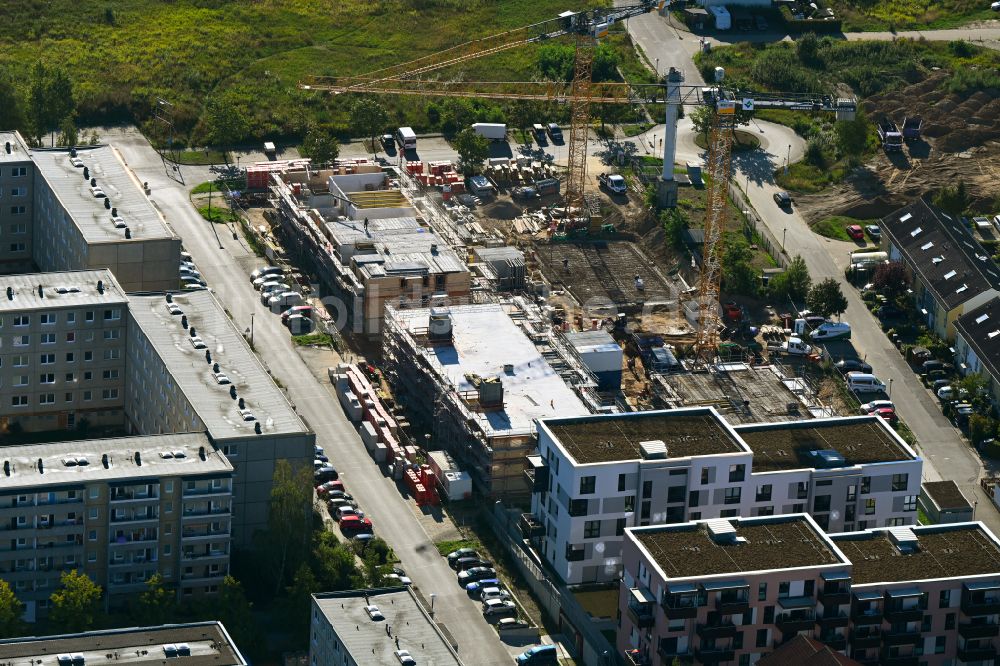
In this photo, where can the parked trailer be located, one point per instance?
(491, 131)
(889, 135)
(911, 127)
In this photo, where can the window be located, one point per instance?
(798, 508)
(869, 507)
(87, 395)
(578, 507)
(88, 375)
(109, 394)
(764, 493)
(46, 319)
(112, 354)
(696, 515)
(93, 514)
(88, 356)
(621, 483)
(761, 638)
(19, 229)
(112, 315)
(944, 599)
(17, 247)
(900, 482)
(736, 473)
(866, 485)
(693, 498)
(647, 489)
(802, 490)
(630, 503)
(852, 493)
(592, 529)
(574, 553)
(17, 210)
(676, 494)
(47, 378)
(18, 172)
(48, 338)
(70, 377)
(910, 503)
(587, 485)
(22, 380)
(47, 359)
(940, 642)
(166, 550)
(732, 495)
(949, 621)
(89, 315)
(70, 357)
(110, 374)
(784, 589)
(821, 503)
(18, 401)
(112, 333)
(761, 592)
(22, 320)
(809, 588)
(70, 317)
(768, 614)
(46, 398)
(729, 513)
(69, 397)
(704, 476)
(71, 336)
(765, 511)
(20, 361)
(644, 510)
(620, 527)
(825, 482)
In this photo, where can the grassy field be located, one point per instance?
(122, 54)
(860, 15)
(836, 227)
(218, 215)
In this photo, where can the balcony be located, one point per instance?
(979, 630)
(835, 598)
(977, 653)
(870, 616)
(836, 642)
(196, 513)
(793, 624)
(537, 474)
(194, 535)
(714, 655)
(731, 605)
(831, 620)
(902, 637)
(636, 658)
(716, 630)
(530, 526)
(905, 614)
(145, 517)
(907, 660)
(211, 554)
(680, 606)
(980, 606)
(127, 497)
(642, 616)
(866, 640)
(671, 653)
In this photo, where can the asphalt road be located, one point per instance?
(227, 273)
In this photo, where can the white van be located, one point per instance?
(284, 300)
(861, 382)
(406, 138)
(832, 330)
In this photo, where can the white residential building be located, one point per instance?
(594, 476)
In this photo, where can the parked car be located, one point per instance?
(298, 325)
(335, 503)
(329, 486)
(783, 199)
(995, 6)
(951, 392)
(938, 384)
(874, 232)
(870, 407)
(339, 495)
(266, 270)
(499, 608)
(474, 574)
(540, 655)
(475, 589)
(355, 524)
(494, 593)
(863, 382)
(304, 310)
(935, 375)
(888, 414)
(345, 510)
(404, 658)
(469, 562)
(855, 232)
(396, 579)
(456, 555)
(962, 411)
(326, 473)
(191, 280)
(933, 364)
(852, 365)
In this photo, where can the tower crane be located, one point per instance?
(421, 77)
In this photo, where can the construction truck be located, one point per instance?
(613, 182)
(889, 135)
(911, 127)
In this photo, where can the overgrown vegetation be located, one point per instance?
(314, 340)
(859, 15)
(835, 226)
(230, 69)
(218, 215)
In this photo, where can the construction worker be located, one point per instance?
(366, 225)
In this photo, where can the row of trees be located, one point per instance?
(46, 105)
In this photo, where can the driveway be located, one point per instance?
(227, 271)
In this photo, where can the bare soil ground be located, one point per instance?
(961, 142)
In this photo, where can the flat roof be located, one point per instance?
(208, 642)
(191, 371)
(484, 339)
(60, 290)
(860, 440)
(946, 494)
(393, 246)
(411, 626)
(19, 151)
(56, 457)
(942, 551)
(88, 212)
(695, 431)
(942, 250)
(758, 544)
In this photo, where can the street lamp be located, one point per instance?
(788, 158)
(251, 328)
(890, 388)
(783, 232)
(433, 597)
(657, 68)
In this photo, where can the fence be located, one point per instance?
(753, 223)
(591, 646)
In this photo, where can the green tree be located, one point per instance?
(50, 99)
(334, 564)
(605, 65)
(236, 613)
(226, 121)
(852, 136)
(375, 571)
(981, 428)
(977, 389)
(472, 151)
(10, 612)
(738, 274)
(953, 200)
(156, 603)
(807, 49)
(792, 284)
(285, 543)
(320, 144)
(76, 603)
(369, 119)
(68, 135)
(555, 61)
(298, 602)
(11, 108)
(674, 223)
(702, 118)
(825, 298)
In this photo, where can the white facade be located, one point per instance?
(580, 510)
